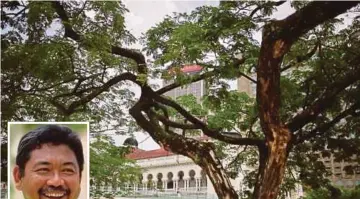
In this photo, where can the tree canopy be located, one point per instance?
(70, 61)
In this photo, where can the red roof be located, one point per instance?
(191, 68)
(188, 69)
(138, 154)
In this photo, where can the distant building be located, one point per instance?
(198, 88)
(339, 176)
(169, 174)
(245, 85)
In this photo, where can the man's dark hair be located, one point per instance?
(53, 134)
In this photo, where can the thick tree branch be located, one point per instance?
(69, 32)
(324, 101)
(228, 138)
(278, 37)
(304, 19)
(166, 121)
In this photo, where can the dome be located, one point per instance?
(131, 141)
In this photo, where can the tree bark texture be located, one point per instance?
(278, 36)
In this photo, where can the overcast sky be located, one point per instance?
(146, 14)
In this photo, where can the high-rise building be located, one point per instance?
(198, 88)
(341, 176)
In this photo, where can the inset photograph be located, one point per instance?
(48, 160)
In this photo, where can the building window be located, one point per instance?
(181, 183)
(170, 182)
(192, 181)
(159, 184)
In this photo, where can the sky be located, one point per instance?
(145, 14)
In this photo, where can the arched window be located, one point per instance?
(150, 184)
(170, 182)
(159, 184)
(181, 183)
(192, 181)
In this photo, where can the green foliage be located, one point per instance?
(325, 194)
(109, 167)
(49, 68)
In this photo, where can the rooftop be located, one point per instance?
(139, 154)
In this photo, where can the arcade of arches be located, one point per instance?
(179, 182)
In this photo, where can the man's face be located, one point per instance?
(52, 172)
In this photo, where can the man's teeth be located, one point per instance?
(54, 194)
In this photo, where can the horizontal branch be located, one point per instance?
(231, 139)
(124, 52)
(203, 154)
(59, 83)
(170, 123)
(324, 127)
(313, 14)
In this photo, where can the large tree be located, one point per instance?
(306, 74)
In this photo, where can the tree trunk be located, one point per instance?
(271, 174)
(278, 36)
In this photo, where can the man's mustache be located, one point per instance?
(53, 188)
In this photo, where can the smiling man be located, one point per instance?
(49, 163)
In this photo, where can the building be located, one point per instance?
(244, 85)
(169, 174)
(339, 176)
(198, 89)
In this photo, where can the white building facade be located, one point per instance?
(165, 173)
